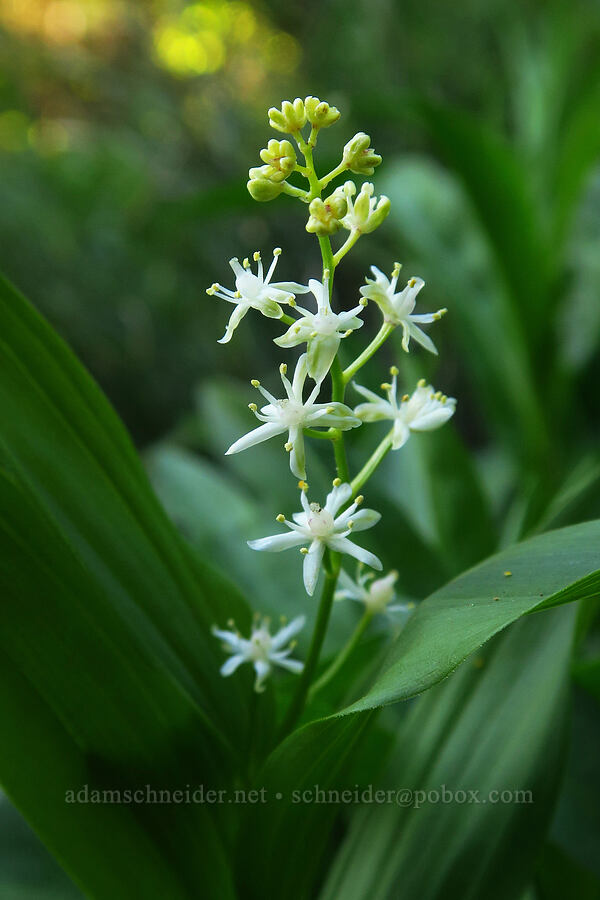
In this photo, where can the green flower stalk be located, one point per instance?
(325, 532)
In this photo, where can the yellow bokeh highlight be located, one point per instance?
(204, 37)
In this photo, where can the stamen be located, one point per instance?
(350, 524)
(280, 518)
(283, 369)
(256, 256)
(394, 370)
(303, 485)
(405, 397)
(292, 301)
(253, 407)
(330, 410)
(288, 446)
(385, 386)
(255, 383)
(358, 500)
(277, 251)
(304, 550)
(507, 574)
(421, 382)
(412, 282)
(336, 482)
(364, 301)
(347, 333)
(246, 263)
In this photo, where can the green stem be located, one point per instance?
(347, 245)
(296, 192)
(288, 320)
(329, 435)
(380, 338)
(297, 705)
(333, 174)
(328, 259)
(371, 464)
(338, 389)
(342, 656)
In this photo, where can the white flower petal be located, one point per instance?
(312, 565)
(263, 670)
(230, 665)
(343, 545)
(421, 338)
(285, 634)
(256, 436)
(275, 543)
(363, 519)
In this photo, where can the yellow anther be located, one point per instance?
(350, 523)
(291, 302)
(280, 518)
(293, 644)
(394, 370)
(303, 485)
(238, 295)
(288, 446)
(255, 382)
(313, 334)
(358, 500)
(297, 329)
(304, 550)
(385, 386)
(336, 482)
(364, 301)
(277, 251)
(256, 256)
(283, 369)
(253, 407)
(246, 263)
(507, 574)
(348, 333)
(396, 269)
(330, 409)
(412, 282)
(438, 395)
(405, 397)
(421, 382)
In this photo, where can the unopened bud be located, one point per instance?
(280, 159)
(325, 215)
(319, 113)
(290, 118)
(359, 156)
(261, 187)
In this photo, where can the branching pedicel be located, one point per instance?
(324, 532)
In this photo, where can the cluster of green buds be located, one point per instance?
(337, 211)
(324, 532)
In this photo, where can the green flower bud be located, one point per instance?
(261, 187)
(319, 113)
(366, 213)
(290, 118)
(359, 157)
(280, 158)
(325, 215)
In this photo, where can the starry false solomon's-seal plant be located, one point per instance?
(327, 531)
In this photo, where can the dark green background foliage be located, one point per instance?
(126, 132)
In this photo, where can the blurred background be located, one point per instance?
(126, 132)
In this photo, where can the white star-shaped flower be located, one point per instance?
(322, 330)
(397, 308)
(376, 596)
(424, 410)
(293, 414)
(255, 292)
(321, 527)
(262, 649)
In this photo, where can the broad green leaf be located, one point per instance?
(27, 870)
(109, 669)
(548, 570)
(559, 876)
(449, 743)
(445, 629)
